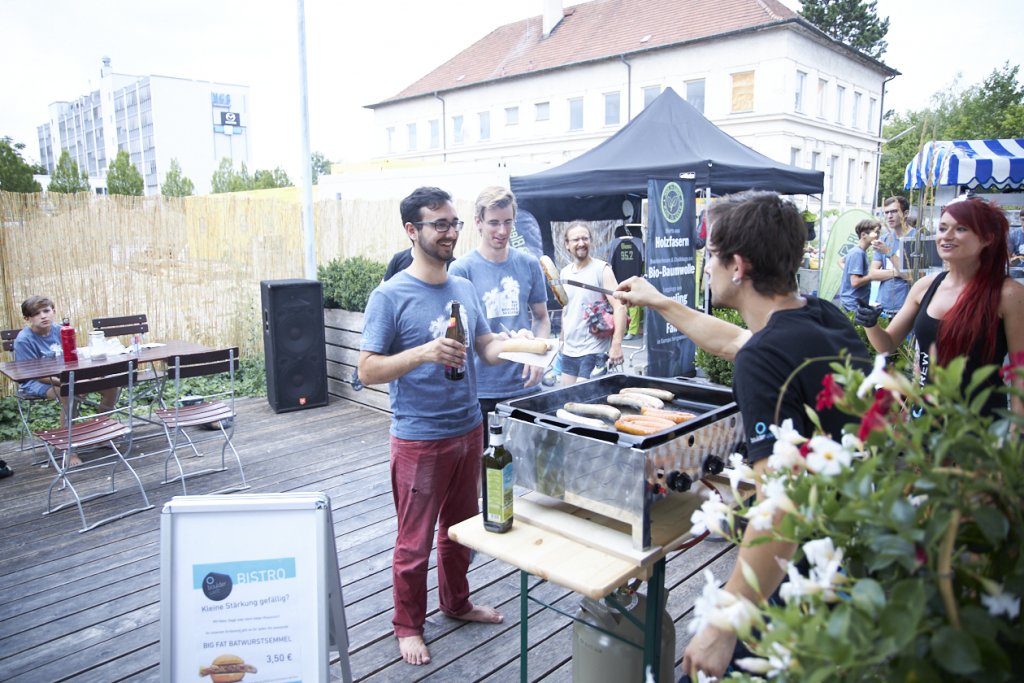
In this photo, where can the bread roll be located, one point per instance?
(551, 273)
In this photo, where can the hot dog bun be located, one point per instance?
(551, 273)
(227, 669)
(539, 346)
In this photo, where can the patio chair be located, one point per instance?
(112, 428)
(151, 378)
(24, 403)
(215, 410)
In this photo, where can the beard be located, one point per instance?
(437, 250)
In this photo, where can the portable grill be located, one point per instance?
(621, 476)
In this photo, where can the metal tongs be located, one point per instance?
(574, 283)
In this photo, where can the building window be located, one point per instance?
(458, 133)
(742, 92)
(412, 136)
(695, 94)
(872, 113)
(815, 160)
(850, 178)
(794, 156)
(840, 103)
(867, 182)
(798, 99)
(485, 125)
(542, 111)
(822, 90)
(576, 113)
(650, 94)
(511, 116)
(855, 113)
(833, 168)
(612, 108)
(435, 133)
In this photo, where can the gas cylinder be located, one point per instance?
(600, 658)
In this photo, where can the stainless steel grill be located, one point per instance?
(618, 475)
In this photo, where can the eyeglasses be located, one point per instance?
(574, 240)
(442, 226)
(495, 224)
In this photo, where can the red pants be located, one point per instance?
(433, 482)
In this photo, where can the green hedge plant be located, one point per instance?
(719, 370)
(348, 282)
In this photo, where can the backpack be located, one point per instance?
(600, 318)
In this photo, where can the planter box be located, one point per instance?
(342, 331)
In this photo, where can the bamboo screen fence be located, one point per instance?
(193, 265)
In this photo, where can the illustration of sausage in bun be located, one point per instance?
(227, 669)
(552, 275)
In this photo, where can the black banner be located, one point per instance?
(671, 268)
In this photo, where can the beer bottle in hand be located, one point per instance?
(496, 472)
(457, 332)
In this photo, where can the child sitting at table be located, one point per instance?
(41, 339)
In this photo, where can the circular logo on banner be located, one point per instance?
(672, 202)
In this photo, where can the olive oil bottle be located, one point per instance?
(496, 473)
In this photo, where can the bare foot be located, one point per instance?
(414, 650)
(74, 460)
(485, 615)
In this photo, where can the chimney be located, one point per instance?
(552, 13)
(105, 69)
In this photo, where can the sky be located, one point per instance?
(360, 53)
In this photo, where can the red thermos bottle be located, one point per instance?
(67, 341)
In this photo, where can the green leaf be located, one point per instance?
(868, 596)
(839, 622)
(955, 651)
(993, 524)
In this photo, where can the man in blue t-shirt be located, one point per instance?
(512, 291)
(436, 431)
(855, 289)
(887, 260)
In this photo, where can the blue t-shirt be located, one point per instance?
(856, 264)
(28, 346)
(892, 293)
(506, 291)
(405, 312)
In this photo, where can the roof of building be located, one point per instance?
(597, 30)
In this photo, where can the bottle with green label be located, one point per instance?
(496, 472)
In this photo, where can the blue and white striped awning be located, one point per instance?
(973, 163)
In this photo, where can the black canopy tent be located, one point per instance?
(667, 139)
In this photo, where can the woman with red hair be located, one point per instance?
(971, 309)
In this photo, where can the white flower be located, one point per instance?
(827, 457)
(721, 609)
(798, 586)
(918, 501)
(713, 516)
(787, 433)
(854, 445)
(755, 665)
(774, 490)
(879, 378)
(704, 678)
(762, 515)
(998, 602)
(773, 666)
(785, 457)
(738, 472)
(822, 551)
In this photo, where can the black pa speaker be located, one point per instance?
(293, 344)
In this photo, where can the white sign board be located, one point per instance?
(249, 585)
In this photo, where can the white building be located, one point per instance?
(155, 119)
(545, 89)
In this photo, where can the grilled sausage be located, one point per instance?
(577, 419)
(594, 410)
(677, 416)
(650, 391)
(643, 425)
(635, 401)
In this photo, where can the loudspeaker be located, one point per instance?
(293, 344)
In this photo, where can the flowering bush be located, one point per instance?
(910, 534)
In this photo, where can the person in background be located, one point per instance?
(855, 289)
(512, 291)
(41, 339)
(887, 257)
(581, 351)
(784, 330)
(627, 260)
(436, 432)
(1015, 245)
(972, 309)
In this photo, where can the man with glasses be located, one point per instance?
(512, 291)
(784, 329)
(436, 432)
(582, 352)
(887, 257)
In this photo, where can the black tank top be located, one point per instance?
(926, 330)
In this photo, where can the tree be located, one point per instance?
(176, 184)
(16, 173)
(227, 179)
(123, 177)
(264, 180)
(67, 178)
(320, 164)
(852, 22)
(993, 108)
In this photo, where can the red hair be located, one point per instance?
(974, 318)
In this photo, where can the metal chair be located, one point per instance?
(150, 384)
(216, 410)
(92, 431)
(24, 403)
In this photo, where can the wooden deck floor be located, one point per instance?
(85, 607)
